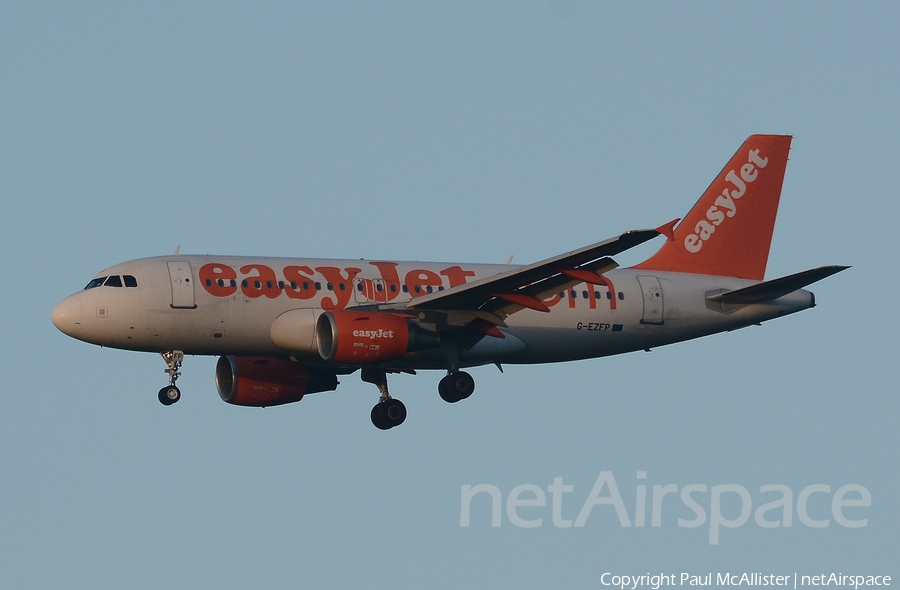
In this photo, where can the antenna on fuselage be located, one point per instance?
(177, 250)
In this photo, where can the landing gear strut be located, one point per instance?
(456, 386)
(388, 412)
(170, 394)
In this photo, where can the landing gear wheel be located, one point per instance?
(456, 386)
(445, 389)
(395, 412)
(168, 395)
(387, 414)
(378, 417)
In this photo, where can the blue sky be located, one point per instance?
(462, 132)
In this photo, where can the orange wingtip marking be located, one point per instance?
(486, 328)
(668, 229)
(524, 300)
(587, 276)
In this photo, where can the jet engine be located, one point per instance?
(261, 382)
(363, 338)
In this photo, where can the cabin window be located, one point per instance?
(621, 295)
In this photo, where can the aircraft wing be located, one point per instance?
(493, 298)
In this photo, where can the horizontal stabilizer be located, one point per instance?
(775, 288)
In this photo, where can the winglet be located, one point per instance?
(668, 229)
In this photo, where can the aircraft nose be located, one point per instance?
(67, 316)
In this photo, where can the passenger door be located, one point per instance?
(182, 287)
(653, 300)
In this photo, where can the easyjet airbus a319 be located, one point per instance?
(287, 327)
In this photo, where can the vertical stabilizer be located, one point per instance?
(729, 230)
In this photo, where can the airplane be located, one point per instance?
(287, 327)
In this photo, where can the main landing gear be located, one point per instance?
(170, 394)
(388, 412)
(456, 386)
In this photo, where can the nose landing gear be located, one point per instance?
(170, 394)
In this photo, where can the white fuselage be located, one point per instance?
(219, 305)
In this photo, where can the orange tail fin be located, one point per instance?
(729, 230)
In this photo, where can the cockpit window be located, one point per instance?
(113, 281)
(95, 283)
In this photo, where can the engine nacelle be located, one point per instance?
(260, 382)
(295, 330)
(366, 337)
